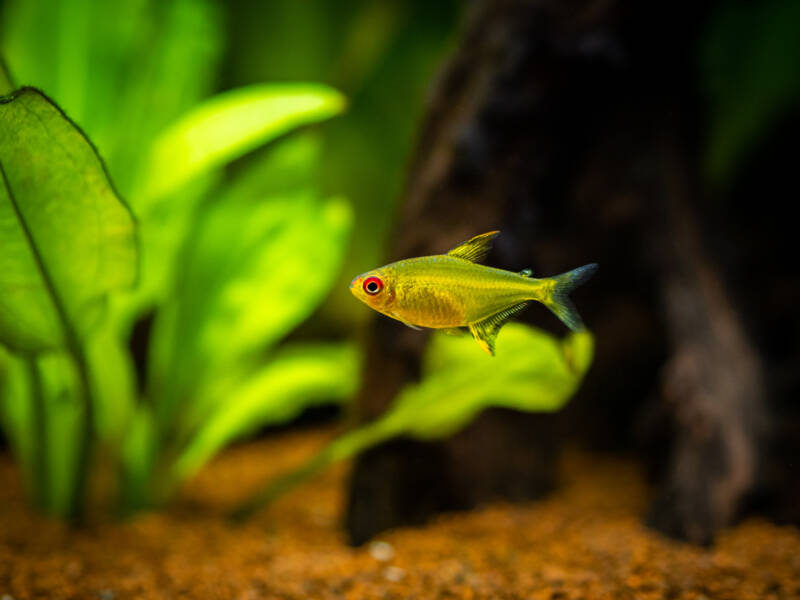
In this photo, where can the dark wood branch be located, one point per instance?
(573, 127)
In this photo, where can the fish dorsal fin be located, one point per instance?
(476, 249)
(485, 332)
(526, 273)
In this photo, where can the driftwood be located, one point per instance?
(572, 126)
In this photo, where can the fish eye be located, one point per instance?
(372, 285)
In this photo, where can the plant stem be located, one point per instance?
(77, 504)
(40, 476)
(343, 447)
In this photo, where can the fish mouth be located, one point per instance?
(355, 283)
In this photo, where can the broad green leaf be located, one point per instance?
(137, 66)
(252, 272)
(172, 67)
(260, 260)
(122, 70)
(161, 232)
(531, 371)
(66, 239)
(165, 221)
(298, 377)
(749, 59)
(281, 267)
(287, 166)
(6, 85)
(232, 124)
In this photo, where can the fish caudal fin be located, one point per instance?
(559, 301)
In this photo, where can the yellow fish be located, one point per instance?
(451, 291)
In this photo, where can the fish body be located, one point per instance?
(444, 291)
(452, 291)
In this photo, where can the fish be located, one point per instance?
(454, 293)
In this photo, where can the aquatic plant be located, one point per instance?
(532, 372)
(142, 336)
(160, 338)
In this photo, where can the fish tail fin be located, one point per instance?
(558, 299)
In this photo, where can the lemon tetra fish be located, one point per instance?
(452, 291)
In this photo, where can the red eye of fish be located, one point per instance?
(373, 285)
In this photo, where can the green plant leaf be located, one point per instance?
(232, 124)
(66, 239)
(172, 66)
(42, 420)
(122, 70)
(63, 404)
(532, 371)
(289, 253)
(6, 85)
(749, 63)
(296, 378)
(254, 269)
(287, 166)
(252, 274)
(138, 459)
(113, 381)
(261, 258)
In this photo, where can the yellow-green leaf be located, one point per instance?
(66, 239)
(295, 379)
(253, 270)
(232, 124)
(6, 86)
(531, 371)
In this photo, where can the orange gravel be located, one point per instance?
(583, 542)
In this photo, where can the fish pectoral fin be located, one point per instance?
(475, 249)
(406, 323)
(485, 331)
(456, 331)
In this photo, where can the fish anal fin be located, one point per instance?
(485, 331)
(485, 335)
(475, 249)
